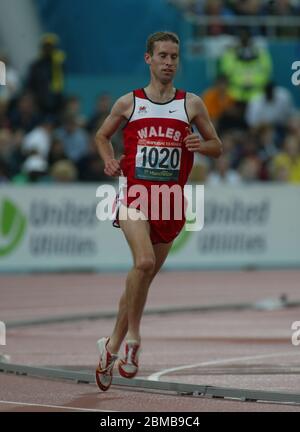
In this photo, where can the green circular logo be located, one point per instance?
(12, 227)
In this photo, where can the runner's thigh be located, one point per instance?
(137, 233)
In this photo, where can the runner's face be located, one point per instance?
(164, 61)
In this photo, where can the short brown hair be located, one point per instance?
(160, 36)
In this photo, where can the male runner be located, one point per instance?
(158, 150)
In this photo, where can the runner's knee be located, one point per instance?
(145, 263)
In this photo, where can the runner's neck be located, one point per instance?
(160, 93)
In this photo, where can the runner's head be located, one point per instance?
(162, 55)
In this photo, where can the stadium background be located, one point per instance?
(49, 167)
(214, 320)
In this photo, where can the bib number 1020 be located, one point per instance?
(163, 158)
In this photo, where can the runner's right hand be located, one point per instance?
(112, 168)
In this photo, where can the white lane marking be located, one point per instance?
(52, 406)
(156, 376)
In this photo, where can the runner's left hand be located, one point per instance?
(192, 141)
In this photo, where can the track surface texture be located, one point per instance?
(248, 349)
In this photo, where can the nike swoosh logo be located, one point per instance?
(170, 111)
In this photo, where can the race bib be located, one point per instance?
(159, 163)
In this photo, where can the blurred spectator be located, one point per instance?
(12, 85)
(222, 173)
(293, 124)
(267, 148)
(190, 6)
(245, 158)
(283, 8)
(34, 170)
(216, 8)
(231, 140)
(275, 106)
(72, 106)
(247, 67)
(217, 99)
(249, 169)
(233, 118)
(102, 109)
(39, 139)
(16, 156)
(6, 144)
(90, 166)
(46, 75)
(64, 171)
(247, 7)
(56, 152)
(204, 7)
(75, 139)
(249, 145)
(10, 153)
(24, 114)
(4, 175)
(286, 165)
(4, 122)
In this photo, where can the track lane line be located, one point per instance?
(156, 376)
(52, 406)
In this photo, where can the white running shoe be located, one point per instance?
(104, 371)
(129, 366)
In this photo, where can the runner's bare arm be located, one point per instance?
(120, 112)
(211, 144)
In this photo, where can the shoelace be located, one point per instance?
(131, 353)
(110, 365)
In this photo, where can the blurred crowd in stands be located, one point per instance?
(255, 117)
(239, 7)
(45, 138)
(225, 12)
